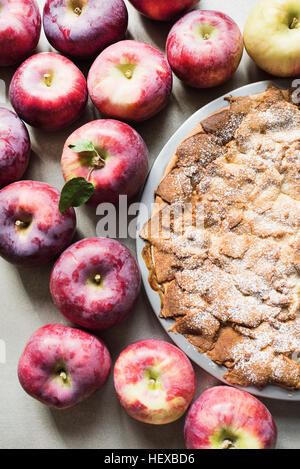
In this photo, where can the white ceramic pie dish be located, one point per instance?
(154, 178)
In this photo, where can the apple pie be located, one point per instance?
(223, 243)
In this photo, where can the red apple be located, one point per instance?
(122, 168)
(204, 48)
(14, 147)
(83, 28)
(20, 28)
(154, 381)
(32, 230)
(95, 283)
(130, 80)
(227, 418)
(48, 91)
(163, 10)
(61, 366)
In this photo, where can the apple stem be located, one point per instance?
(227, 444)
(21, 224)
(47, 79)
(63, 375)
(97, 161)
(152, 383)
(77, 11)
(97, 279)
(128, 74)
(294, 23)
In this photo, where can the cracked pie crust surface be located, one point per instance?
(223, 242)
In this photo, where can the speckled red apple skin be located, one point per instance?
(177, 378)
(86, 305)
(142, 97)
(50, 231)
(162, 10)
(126, 170)
(100, 24)
(14, 147)
(224, 406)
(20, 28)
(207, 63)
(48, 108)
(85, 356)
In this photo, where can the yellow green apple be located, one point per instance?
(272, 36)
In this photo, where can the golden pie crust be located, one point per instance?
(228, 270)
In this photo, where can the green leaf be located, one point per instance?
(82, 145)
(75, 192)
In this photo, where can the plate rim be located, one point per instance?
(147, 198)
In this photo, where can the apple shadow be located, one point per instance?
(252, 72)
(158, 30)
(35, 281)
(282, 409)
(6, 75)
(286, 415)
(168, 436)
(153, 129)
(129, 36)
(33, 171)
(84, 65)
(76, 425)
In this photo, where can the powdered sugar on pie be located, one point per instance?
(224, 241)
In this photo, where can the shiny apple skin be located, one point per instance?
(49, 231)
(100, 24)
(20, 28)
(14, 147)
(136, 99)
(226, 407)
(162, 10)
(175, 389)
(51, 107)
(125, 169)
(55, 347)
(203, 63)
(88, 305)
